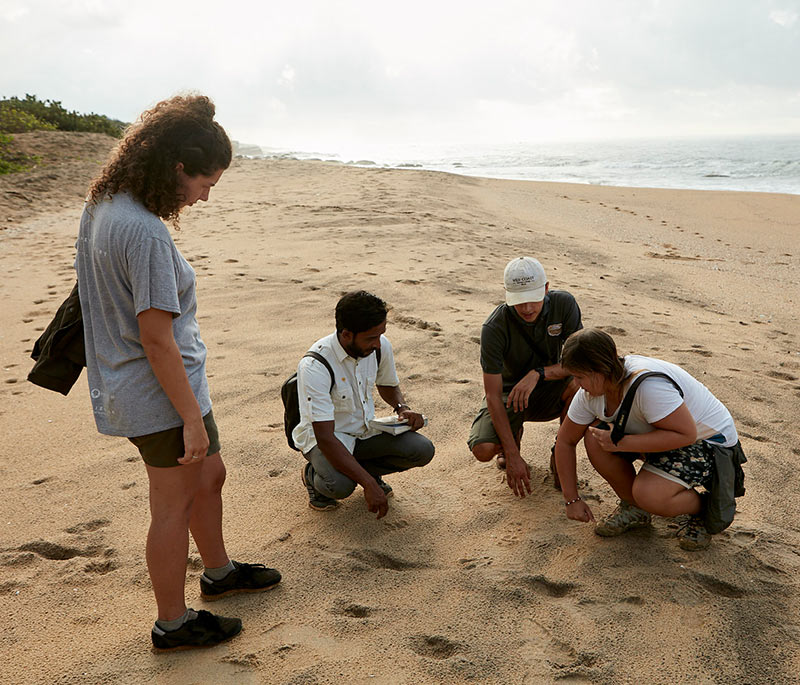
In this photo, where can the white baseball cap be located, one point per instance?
(524, 280)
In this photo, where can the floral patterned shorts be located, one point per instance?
(693, 464)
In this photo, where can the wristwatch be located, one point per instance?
(540, 371)
(400, 406)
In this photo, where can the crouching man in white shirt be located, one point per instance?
(334, 434)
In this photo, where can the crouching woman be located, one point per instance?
(674, 428)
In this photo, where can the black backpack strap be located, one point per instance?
(618, 430)
(320, 358)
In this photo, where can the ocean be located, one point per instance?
(761, 164)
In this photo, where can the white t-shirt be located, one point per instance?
(350, 406)
(657, 398)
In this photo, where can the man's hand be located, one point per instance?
(518, 397)
(518, 475)
(603, 438)
(376, 499)
(414, 420)
(580, 511)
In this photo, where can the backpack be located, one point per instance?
(291, 402)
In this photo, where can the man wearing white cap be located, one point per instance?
(520, 348)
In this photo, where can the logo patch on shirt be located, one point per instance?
(555, 329)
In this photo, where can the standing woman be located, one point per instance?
(676, 433)
(146, 360)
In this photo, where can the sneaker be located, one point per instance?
(244, 578)
(387, 489)
(625, 517)
(206, 630)
(316, 500)
(692, 534)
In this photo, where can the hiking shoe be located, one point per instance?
(244, 578)
(206, 630)
(316, 500)
(625, 517)
(692, 534)
(387, 489)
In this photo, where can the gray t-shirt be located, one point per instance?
(127, 263)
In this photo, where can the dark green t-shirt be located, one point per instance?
(505, 350)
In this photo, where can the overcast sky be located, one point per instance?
(330, 75)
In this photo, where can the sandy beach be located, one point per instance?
(460, 582)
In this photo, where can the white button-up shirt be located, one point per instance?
(350, 404)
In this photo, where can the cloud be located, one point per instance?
(785, 18)
(316, 70)
(287, 77)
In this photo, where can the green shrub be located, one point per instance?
(17, 121)
(53, 113)
(12, 161)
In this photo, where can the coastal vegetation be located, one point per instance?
(24, 115)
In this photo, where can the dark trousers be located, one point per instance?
(379, 455)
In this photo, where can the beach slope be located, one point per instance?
(460, 582)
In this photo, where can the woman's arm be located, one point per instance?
(155, 332)
(675, 430)
(569, 435)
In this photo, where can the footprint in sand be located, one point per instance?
(702, 353)
(613, 330)
(757, 438)
(351, 609)
(417, 323)
(474, 562)
(632, 599)
(545, 586)
(101, 567)
(746, 536)
(54, 551)
(377, 559)
(781, 375)
(434, 646)
(88, 526)
(717, 586)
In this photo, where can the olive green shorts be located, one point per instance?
(164, 448)
(544, 404)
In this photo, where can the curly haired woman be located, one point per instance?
(146, 360)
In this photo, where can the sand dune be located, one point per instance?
(460, 582)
